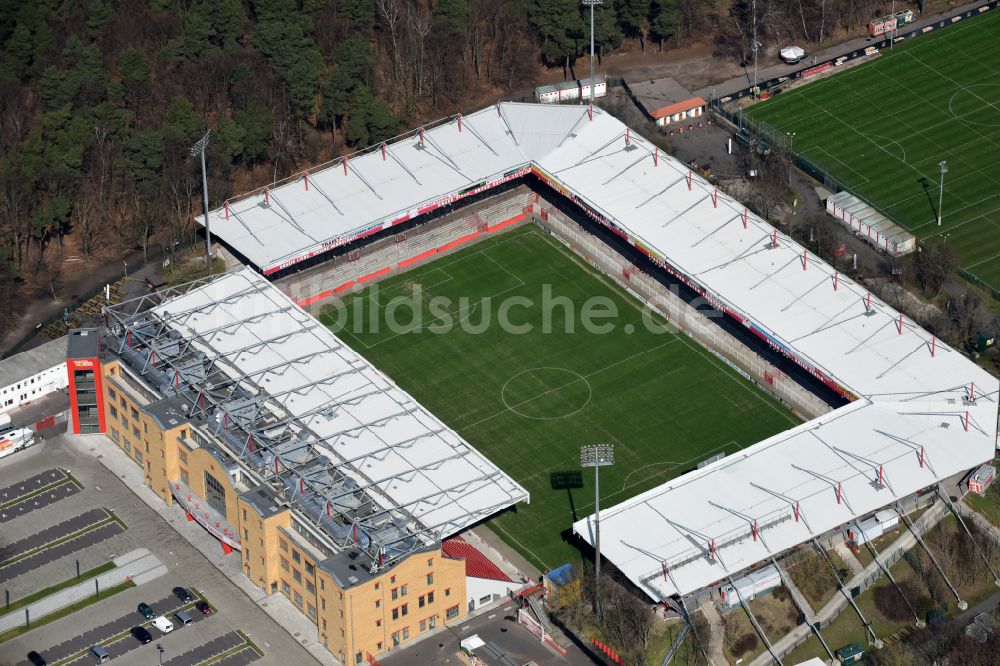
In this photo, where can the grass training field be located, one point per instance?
(528, 400)
(882, 128)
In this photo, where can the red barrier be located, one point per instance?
(372, 276)
(506, 223)
(312, 299)
(413, 260)
(458, 241)
(47, 422)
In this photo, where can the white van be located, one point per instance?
(163, 624)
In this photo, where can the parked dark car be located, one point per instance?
(204, 608)
(182, 594)
(36, 659)
(142, 635)
(146, 611)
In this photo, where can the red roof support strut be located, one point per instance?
(267, 196)
(839, 490)
(745, 214)
(460, 122)
(227, 209)
(305, 177)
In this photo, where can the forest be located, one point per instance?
(101, 100)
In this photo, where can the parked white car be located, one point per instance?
(163, 624)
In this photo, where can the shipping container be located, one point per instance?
(750, 586)
(570, 90)
(882, 25)
(873, 527)
(982, 478)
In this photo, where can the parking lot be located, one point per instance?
(63, 513)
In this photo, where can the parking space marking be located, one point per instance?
(206, 651)
(114, 635)
(54, 533)
(41, 500)
(53, 553)
(30, 485)
(245, 656)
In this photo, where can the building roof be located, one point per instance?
(477, 565)
(663, 97)
(343, 438)
(912, 417)
(82, 343)
(304, 216)
(32, 361)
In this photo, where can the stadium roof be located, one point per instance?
(912, 419)
(329, 423)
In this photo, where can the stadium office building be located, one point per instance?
(337, 487)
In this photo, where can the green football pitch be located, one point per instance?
(883, 127)
(528, 399)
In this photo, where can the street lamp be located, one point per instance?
(597, 456)
(591, 3)
(160, 650)
(196, 150)
(791, 141)
(944, 170)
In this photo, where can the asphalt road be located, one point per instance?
(207, 650)
(51, 496)
(85, 540)
(30, 485)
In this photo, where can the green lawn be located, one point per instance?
(529, 401)
(882, 127)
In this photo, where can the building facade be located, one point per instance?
(357, 614)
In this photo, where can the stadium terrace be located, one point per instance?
(919, 412)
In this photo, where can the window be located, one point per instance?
(124, 422)
(286, 588)
(322, 603)
(430, 597)
(423, 625)
(451, 612)
(283, 545)
(135, 414)
(447, 591)
(430, 562)
(323, 587)
(394, 593)
(145, 427)
(378, 603)
(284, 563)
(135, 432)
(112, 394)
(395, 613)
(183, 457)
(310, 588)
(126, 446)
(402, 591)
(378, 623)
(405, 609)
(392, 580)
(114, 436)
(297, 575)
(430, 579)
(379, 646)
(395, 639)
(358, 658)
(184, 477)
(298, 599)
(484, 600)
(377, 585)
(138, 455)
(113, 411)
(406, 633)
(246, 536)
(121, 401)
(420, 601)
(244, 515)
(432, 621)
(296, 557)
(310, 570)
(311, 611)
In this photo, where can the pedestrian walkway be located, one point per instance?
(140, 566)
(716, 634)
(849, 558)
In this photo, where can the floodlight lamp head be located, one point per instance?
(944, 166)
(591, 3)
(201, 145)
(597, 455)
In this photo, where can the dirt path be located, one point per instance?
(716, 634)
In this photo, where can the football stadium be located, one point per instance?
(896, 118)
(424, 334)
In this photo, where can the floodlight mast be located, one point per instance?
(196, 150)
(597, 456)
(591, 3)
(944, 170)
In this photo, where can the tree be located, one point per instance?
(133, 66)
(634, 17)
(561, 28)
(666, 20)
(936, 262)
